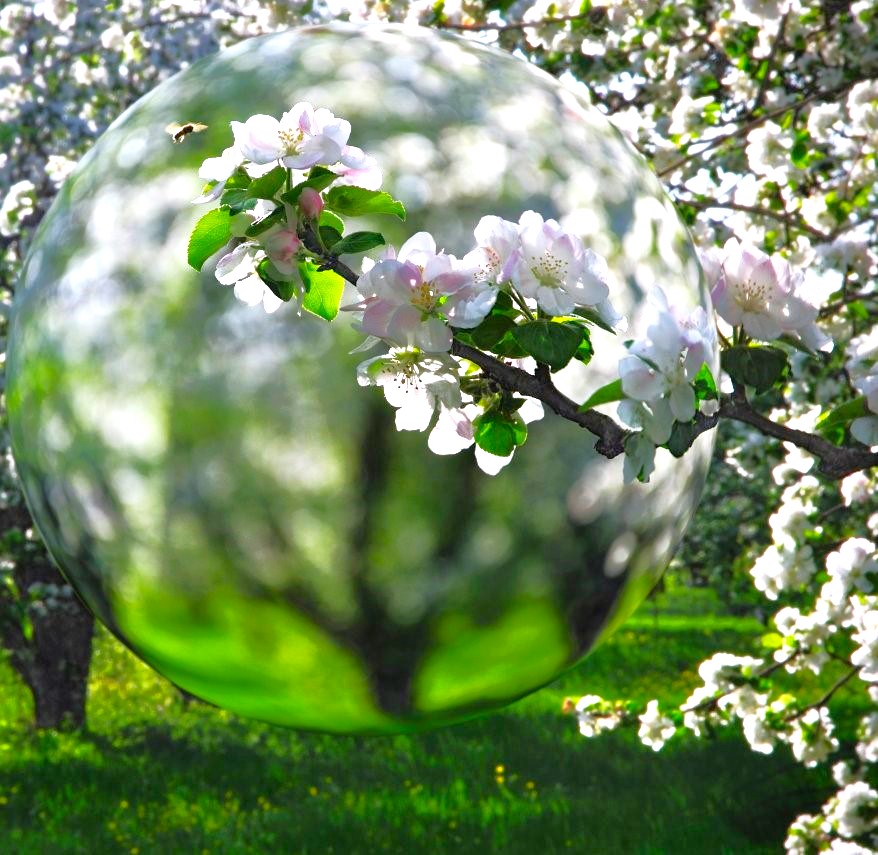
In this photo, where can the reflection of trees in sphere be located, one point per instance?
(220, 490)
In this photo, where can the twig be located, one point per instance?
(514, 25)
(611, 437)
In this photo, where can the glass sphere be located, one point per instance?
(225, 497)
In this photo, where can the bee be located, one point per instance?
(180, 130)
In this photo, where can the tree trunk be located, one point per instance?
(53, 657)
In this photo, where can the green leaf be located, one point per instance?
(499, 433)
(212, 232)
(358, 242)
(843, 414)
(683, 434)
(760, 367)
(356, 202)
(238, 199)
(318, 179)
(605, 395)
(509, 347)
(238, 179)
(585, 351)
(505, 306)
(329, 236)
(553, 344)
(327, 218)
(278, 215)
(593, 317)
(799, 152)
(323, 289)
(772, 640)
(267, 185)
(282, 289)
(705, 385)
(490, 331)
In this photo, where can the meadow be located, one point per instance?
(153, 774)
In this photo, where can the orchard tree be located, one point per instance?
(761, 117)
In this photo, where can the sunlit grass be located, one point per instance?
(154, 776)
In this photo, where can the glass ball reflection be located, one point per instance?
(220, 491)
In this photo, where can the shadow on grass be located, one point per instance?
(205, 781)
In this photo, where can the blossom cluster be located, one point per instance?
(759, 116)
(526, 293)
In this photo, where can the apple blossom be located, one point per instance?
(655, 728)
(758, 292)
(304, 137)
(238, 268)
(554, 268)
(406, 300)
(282, 245)
(218, 170)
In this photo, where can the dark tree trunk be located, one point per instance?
(52, 658)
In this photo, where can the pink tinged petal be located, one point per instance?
(368, 175)
(376, 318)
(258, 139)
(453, 432)
(795, 313)
(436, 265)
(355, 158)
(311, 202)
(555, 301)
(683, 402)
(761, 326)
(236, 264)
(498, 234)
(469, 309)
(511, 267)
(451, 282)
(433, 336)
(313, 150)
(300, 117)
(403, 325)
(765, 275)
(724, 303)
(338, 130)
(221, 168)
(666, 339)
(588, 290)
(250, 290)
(420, 244)
(782, 273)
(815, 338)
(489, 463)
(639, 381)
(394, 281)
(610, 316)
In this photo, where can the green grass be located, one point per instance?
(152, 776)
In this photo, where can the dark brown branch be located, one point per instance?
(760, 211)
(611, 437)
(835, 461)
(517, 25)
(745, 128)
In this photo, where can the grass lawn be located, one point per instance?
(152, 776)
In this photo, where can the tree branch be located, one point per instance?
(611, 437)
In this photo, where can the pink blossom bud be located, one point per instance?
(311, 203)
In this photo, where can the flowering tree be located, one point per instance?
(761, 116)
